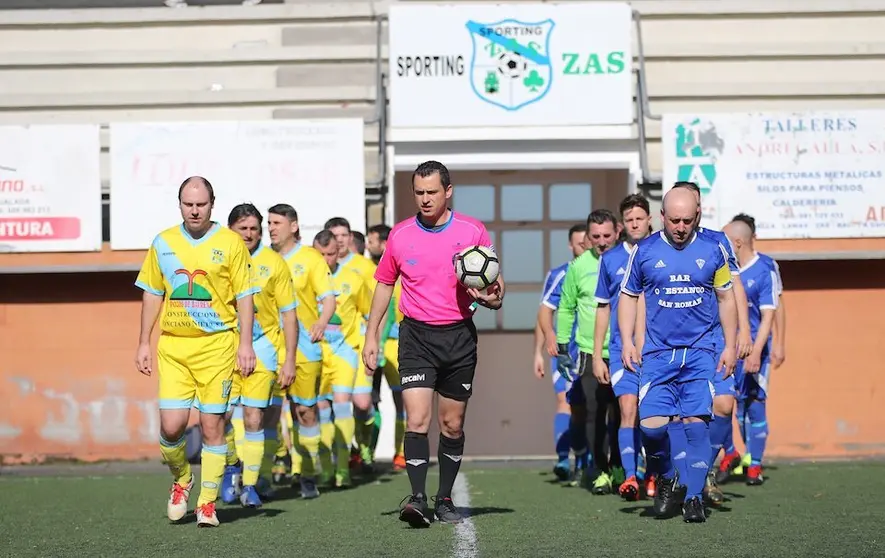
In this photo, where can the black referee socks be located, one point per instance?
(449, 455)
(417, 452)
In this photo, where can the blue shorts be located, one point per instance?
(723, 386)
(753, 386)
(574, 394)
(676, 383)
(624, 382)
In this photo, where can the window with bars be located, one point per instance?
(528, 224)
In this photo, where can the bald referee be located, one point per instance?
(437, 338)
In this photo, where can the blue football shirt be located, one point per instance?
(679, 286)
(612, 268)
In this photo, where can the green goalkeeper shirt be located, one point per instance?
(579, 297)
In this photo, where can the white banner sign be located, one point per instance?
(50, 189)
(801, 174)
(316, 166)
(476, 65)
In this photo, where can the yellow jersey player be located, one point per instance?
(196, 279)
(275, 350)
(313, 287)
(365, 419)
(341, 355)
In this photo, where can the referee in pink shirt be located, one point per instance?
(437, 338)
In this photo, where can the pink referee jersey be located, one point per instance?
(422, 257)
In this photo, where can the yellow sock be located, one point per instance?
(253, 457)
(296, 455)
(399, 434)
(309, 448)
(327, 440)
(239, 430)
(282, 449)
(364, 426)
(212, 461)
(344, 429)
(271, 443)
(175, 456)
(232, 453)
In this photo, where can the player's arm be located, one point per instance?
(601, 325)
(284, 295)
(639, 332)
(779, 327)
(386, 275)
(243, 287)
(745, 341)
(549, 302)
(380, 304)
(567, 307)
(320, 280)
(493, 297)
(728, 314)
(628, 309)
(150, 280)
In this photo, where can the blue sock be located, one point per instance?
(728, 445)
(627, 441)
(562, 435)
(578, 434)
(758, 431)
(719, 428)
(741, 418)
(678, 450)
(697, 437)
(657, 451)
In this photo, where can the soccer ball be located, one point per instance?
(477, 267)
(511, 64)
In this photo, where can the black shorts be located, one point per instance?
(442, 358)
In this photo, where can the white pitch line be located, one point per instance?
(465, 532)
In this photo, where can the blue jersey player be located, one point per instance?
(566, 435)
(762, 283)
(635, 214)
(678, 271)
(723, 385)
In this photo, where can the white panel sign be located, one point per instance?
(800, 174)
(316, 166)
(476, 65)
(50, 189)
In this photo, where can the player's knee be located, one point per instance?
(253, 419)
(213, 429)
(173, 423)
(362, 403)
(653, 423)
(723, 405)
(306, 416)
(451, 426)
(689, 420)
(628, 416)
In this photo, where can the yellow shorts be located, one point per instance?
(304, 389)
(255, 390)
(340, 365)
(199, 369)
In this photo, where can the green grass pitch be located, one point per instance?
(808, 509)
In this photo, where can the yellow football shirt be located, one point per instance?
(270, 274)
(362, 265)
(354, 300)
(313, 282)
(200, 280)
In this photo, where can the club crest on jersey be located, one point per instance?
(345, 288)
(298, 269)
(700, 263)
(217, 256)
(510, 66)
(263, 271)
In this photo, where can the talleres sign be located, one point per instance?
(510, 65)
